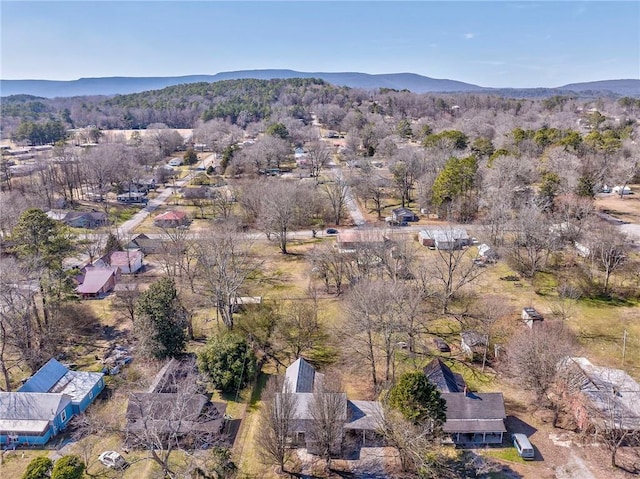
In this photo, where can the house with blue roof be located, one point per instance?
(45, 403)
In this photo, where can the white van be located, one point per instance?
(523, 446)
(176, 162)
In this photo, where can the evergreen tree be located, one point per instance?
(160, 320)
(228, 361)
(68, 467)
(418, 400)
(190, 157)
(38, 468)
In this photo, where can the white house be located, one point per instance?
(129, 261)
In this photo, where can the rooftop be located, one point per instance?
(95, 279)
(176, 215)
(611, 391)
(54, 377)
(474, 412)
(124, 258)
(300, 377)
(443, 378)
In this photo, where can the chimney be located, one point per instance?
(465, 391)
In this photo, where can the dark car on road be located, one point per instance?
(332, 231)
(441, 345)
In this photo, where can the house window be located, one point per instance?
(63, 415)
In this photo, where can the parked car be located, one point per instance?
(113, 459)
(441, 345)
(523, 446)
(332, 231)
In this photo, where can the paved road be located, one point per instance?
(129, 225)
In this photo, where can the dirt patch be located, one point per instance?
(626, 208)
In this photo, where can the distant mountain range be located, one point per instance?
(398, 81)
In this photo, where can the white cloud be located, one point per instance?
(469, 35)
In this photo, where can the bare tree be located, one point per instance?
(406, 169)
(162, 422)
(299, 329)
(125, 300)
(92, 244)
(318, 156)
(452, 268)
(277, 416)
(337, 193)
(331, 265)
(413, 442)
(487, 316)
(373, 187)
(614, 426)
(533, 355)
(380, 315)
(563, 305)
(532, 242)
(609, 251)
(226, 265)
(279, 211)
(328, 411)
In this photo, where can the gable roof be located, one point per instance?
(162, 406)
(95, 279)
(55, 377)
(29, 412)
(364, 415)
(300, 377)
(45, 378)
(124, 258)
(305, 403)
(175, 215)
(194, 413)
(439, 374)
(474, 412)
(444, 235)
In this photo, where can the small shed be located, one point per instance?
(530, 316)
(487, 253)
(473, 343)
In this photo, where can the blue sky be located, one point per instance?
(498, 44)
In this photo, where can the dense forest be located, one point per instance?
(245, 101)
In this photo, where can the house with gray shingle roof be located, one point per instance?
(472, 418)
(302, 380)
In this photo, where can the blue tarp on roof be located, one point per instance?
(46, 377)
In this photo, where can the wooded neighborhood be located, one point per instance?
(262, 278)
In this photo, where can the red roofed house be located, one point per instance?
(129, 261)
(171, 219)
(97, 281)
